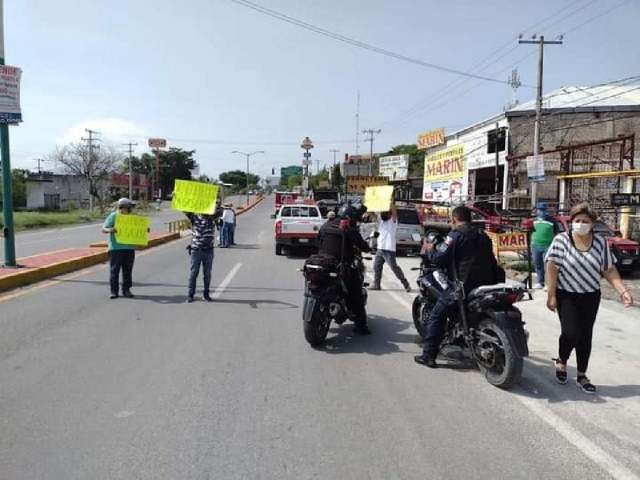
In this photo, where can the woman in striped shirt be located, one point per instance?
(576, 261)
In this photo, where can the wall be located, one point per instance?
(35, 195)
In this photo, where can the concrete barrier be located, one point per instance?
(155, 239)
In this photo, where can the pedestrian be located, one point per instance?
(201, 252)
(121, 256)
(544, 231)
(576, 261)
(228, 219)
(386, 248)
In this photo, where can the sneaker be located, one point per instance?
(189, 300)
(207, 298)
(113, 296)
(128, 294)
(425, 361)
(585, 384)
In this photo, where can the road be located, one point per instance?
(38, 241)
(153, 388)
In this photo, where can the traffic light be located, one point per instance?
(273, 171)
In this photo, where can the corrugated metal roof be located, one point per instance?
(587, 99)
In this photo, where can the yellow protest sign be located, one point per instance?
(194, 197)
(378, 199)
(358, 184)
(132, 230)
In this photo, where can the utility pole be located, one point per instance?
(370, 140)
(131, 145)
(536, 133)
(39, 160)
(358, 125)
(89, 169)
(7, 187)
(497, 142)
(248, 155)
(334, 164)
(317, 166)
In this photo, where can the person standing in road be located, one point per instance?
(201, 252)
(386, 248)
(228, 225)
(121, 257)
(544, 231)
(576, 261)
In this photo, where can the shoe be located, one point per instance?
(585, 384)
(207, 298)
(561, 376)
(113, 296)
(407, 289)
(189, 300)
(128, 294)
(425, 361)
(362, 330)
(375, 287)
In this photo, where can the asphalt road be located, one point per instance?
(153, 388)
(38, 241)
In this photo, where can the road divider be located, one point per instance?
(155, 239)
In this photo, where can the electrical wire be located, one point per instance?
(588, 21)
(359, 44)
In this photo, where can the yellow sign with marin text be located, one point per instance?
(194, 197)
(378, 199)
(132, 230)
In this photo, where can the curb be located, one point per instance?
(250, 206)
(26, 277)
(154, 242)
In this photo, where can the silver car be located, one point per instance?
(408, 224)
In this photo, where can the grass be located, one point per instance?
(31, 220)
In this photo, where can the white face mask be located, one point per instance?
(581, 229)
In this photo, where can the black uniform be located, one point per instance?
(330, 243)
(470, 251)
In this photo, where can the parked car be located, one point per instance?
(408, 224)
(626, 252)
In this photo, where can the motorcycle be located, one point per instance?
(326, 295)
(486, 324)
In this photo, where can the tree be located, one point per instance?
(337, 181)
(175, 164)
(416, 158)
(19, 187)
(95, 166)
(294, 181)
(238, 179)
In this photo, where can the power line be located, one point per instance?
(588, 21)
(359, 44)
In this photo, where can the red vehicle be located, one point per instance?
(433, 220)
(284, 197)
(626, 252)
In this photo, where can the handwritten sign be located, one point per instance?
(132, 230)
(194, 197)
(378, 199)
(358, 184)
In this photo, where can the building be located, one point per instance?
(119, 186)
(55, 191)
(355, 165)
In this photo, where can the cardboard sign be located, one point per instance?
(132, 230)
(194, 197)
(378, 199)
(358, 184)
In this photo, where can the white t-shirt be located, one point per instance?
(228, 216)
(387, 238)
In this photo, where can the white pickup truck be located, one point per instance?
(297, 225)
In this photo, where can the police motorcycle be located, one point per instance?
(326, 294)
(486, 323)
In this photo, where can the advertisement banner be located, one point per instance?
(195, 197)
(378, 199)
(132, 230)
(535, 168)
(358, 184)
(394, 167)
(431, 139)
(10, 111)
(447, 164)
(508, 242)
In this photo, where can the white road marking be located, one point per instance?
(592, 451)
(227, 280)
(260, 235)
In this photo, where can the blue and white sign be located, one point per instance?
(535, 168)
(307, 154)
(10, 111)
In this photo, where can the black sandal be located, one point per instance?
(585, 384)
(561, 376)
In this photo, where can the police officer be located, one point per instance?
(468, 250)
(330, 243)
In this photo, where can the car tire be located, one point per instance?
(278, 249)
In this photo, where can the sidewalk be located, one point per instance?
(613, 415)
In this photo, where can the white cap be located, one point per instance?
(124, 202)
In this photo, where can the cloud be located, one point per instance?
(109, 130)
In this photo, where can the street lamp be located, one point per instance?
(248, 155)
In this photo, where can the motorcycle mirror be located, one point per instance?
(416, 237)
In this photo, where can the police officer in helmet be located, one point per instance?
(469, 250)
(331, 243)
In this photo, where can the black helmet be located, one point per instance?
(348, 212)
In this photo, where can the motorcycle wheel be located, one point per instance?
(316, 330)
(506, 368)
(420, 313)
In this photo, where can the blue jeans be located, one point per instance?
(538, 254)
(204, 258)
(226, 235)
(445, 306)
(232, 234)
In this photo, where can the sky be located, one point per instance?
(215, 76)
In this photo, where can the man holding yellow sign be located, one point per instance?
(125, 231)
(380, 199)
